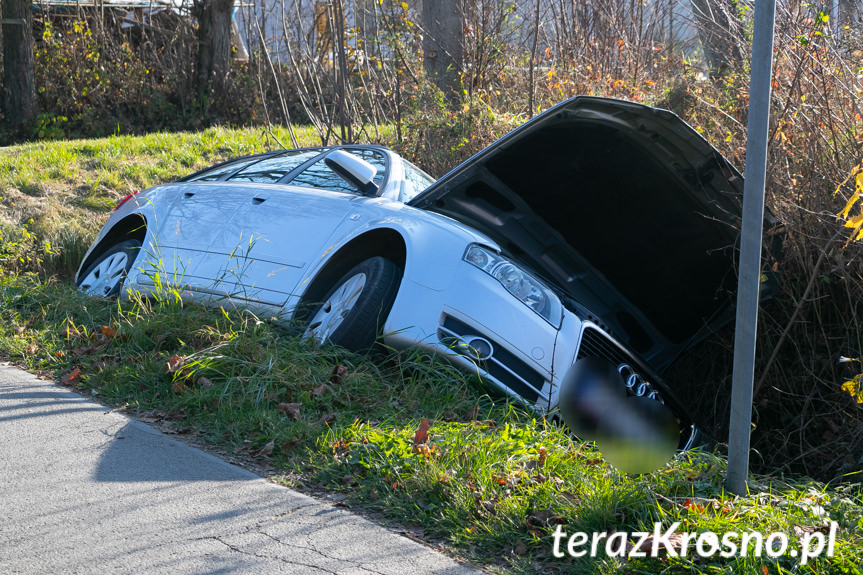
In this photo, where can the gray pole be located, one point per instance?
(750, 247)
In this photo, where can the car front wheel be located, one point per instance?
(353, 311)
(105, 276)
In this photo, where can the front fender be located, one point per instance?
(434, 245)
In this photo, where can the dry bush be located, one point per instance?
(805, 421)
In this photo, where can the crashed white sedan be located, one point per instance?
(600, 228)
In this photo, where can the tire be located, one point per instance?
(353, 311)
(105, 276)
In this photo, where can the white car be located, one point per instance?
(600, 228)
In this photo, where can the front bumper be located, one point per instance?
(526, 357)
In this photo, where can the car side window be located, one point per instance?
(415, 182)
(272, 170)
(319, 175)
(219, 172)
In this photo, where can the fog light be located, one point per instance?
(478, 348)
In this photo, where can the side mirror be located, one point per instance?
(355, 171)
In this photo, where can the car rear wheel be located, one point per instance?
(105, 276)
(354, 309)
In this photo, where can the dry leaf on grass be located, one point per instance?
(338, 373)
(422, 433)
(329, 418)
(290, 444)
(320, 390)
(291, 409)
(267, 450)
(108, 331)
(73, 378)
(175, 363)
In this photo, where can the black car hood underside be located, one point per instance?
(623, 207)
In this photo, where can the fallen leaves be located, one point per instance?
(421, 437)
(422, 433)
(108, 331)
(539, 462)
(854, 388)
(184, 376)
(73, 377)
(544, 518)
(329, 418)
(320, 390)
(290, 444)
(290, 409)
(267, 450)
(338, 373)
(175, 363)
(100, 335)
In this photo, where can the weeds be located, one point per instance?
(409, 438)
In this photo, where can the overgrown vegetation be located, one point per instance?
(488, 480)
(409, 437)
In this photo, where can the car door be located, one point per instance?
(186, 227)
(279, 231)
(208, 210)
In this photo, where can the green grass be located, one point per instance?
(62, 192)
(125, 163)
(491, 481)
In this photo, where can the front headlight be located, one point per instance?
(518, 282)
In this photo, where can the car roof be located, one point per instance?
(264, 155)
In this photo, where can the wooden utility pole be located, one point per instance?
(19, 94)
(443, 44)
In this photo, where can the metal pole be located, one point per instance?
(750, 247)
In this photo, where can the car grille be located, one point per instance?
(595, 343)
(501, 365)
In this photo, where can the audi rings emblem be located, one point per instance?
(633, 380)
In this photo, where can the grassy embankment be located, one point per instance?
(489, 480)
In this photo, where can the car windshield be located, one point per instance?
(415, 182)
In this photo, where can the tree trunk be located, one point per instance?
(443, 47)
(719, 29)
(214, 48)
(19, 94)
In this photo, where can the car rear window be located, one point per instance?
(274, 169)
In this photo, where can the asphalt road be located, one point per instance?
(84, 490)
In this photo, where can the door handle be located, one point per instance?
(188, 194)
(260, 198)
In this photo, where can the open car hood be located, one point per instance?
(624, 208)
